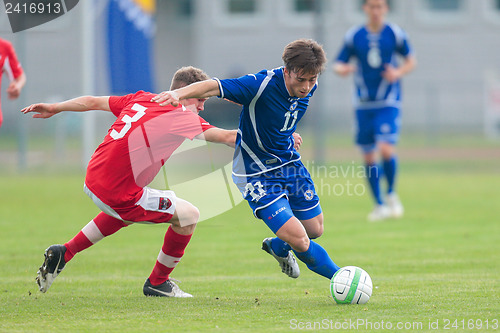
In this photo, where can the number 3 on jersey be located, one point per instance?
(141, 111)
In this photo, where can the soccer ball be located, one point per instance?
(351, 284)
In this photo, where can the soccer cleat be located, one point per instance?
(288, 264)
(395, 205)
(166, 289)
(379, 213)
(51, 267)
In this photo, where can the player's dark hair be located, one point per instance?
(187, 75)
(304, 56)
(366, 1)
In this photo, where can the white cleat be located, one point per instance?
(288, 264)
(379, 213)
(166, 289)
(395, 205)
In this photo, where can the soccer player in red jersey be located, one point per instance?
(137, 145)
(11, 66)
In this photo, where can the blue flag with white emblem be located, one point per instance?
(130, 33)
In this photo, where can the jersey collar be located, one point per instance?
(382, 28)
(291, 99)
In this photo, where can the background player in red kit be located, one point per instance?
(135, 148)
(11, 66)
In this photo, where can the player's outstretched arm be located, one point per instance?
(219, 135)
(79, 104)
(343, 69)
(202, 89)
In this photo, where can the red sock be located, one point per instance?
(170, 254)
(101, 226)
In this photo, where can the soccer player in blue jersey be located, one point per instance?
(266, 167)
(375, 46)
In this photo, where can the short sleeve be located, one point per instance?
(344, 54)
(347, 50)
(205, 125)
(404, 49)
(11, 64)
(402, 43)
(241, 90)
(117, 103)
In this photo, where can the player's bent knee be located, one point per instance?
(370, 159)
(386, 148)
(191, 218)
(316, 231)
(294, 233)
(314, 226)
(300, 244)
(195, 214)
(319, 229)
(186, 214)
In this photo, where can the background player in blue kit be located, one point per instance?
(375, 46)
(266, 167)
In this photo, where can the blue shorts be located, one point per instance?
(277, 195)
(377, 125)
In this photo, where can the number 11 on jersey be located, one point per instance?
(289, 115)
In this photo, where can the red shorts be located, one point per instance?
(155, 206)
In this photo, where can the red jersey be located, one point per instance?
(137, 145)
(8, 61)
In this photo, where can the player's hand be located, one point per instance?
(166, 97)
(13, 90)
(344, 69)
(41, 110)
(298, 140)
(391, 73)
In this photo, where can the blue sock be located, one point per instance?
(373, 176)
(390, 170)
(317, 260)
(280, 248)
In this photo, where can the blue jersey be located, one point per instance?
(267, 121)
(373, 51)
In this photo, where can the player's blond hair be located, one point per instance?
(304, 56)
(187, 75)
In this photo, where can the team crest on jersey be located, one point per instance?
(165, 204)
(385, 128)
(374, 58)
(294, 105)
(309, 195)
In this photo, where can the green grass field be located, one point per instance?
(437, 269)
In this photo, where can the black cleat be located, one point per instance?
(166, 289)
(51, 267)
